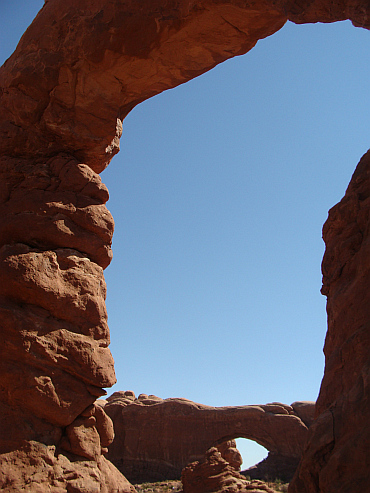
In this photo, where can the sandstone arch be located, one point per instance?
(155, 438)
(62, 102)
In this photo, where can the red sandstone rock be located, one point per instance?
(58, 204)
(231, 454)
(216, 475)
(155, 439)
(305, 410)
(55, 360)
(77, 72)
(337, 458)
(37, 468)
(90, 434)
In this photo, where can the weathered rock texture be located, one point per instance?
(54, 361)
(76, 73)
(337, 457)
(230, 453)
(155, 439)
(38, 468)
(214, 474)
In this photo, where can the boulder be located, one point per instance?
(230, 453)
(215, 475)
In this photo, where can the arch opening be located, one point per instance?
(168, 237)
(252, 452)
(255, 461)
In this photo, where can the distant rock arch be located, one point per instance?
(155, 439)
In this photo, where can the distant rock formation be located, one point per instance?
(230, 453)
(214, 474)
(277, 465)
(77, 72)
(155, 438)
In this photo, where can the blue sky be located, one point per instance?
(219, 195)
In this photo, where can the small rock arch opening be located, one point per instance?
(251, 452)
(254, 461)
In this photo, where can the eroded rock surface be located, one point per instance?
(230, 453)
(54, 361)
(76, 73)
(337, 458)
(214, 474)
(37, 468)
(155, 438)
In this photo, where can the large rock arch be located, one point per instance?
(77, 71)
(155, 439)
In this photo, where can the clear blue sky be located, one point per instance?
(219, 195)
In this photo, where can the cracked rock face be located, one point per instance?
(77, 72)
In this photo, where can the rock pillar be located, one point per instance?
(55, 241)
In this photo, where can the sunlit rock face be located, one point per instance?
(77, 72)
(55, 241)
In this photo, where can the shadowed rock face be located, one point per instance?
(337, 457)
(155, 439)
(76, 73)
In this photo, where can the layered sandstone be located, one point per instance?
(55, 241)
(155, 438)
(76, 73)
